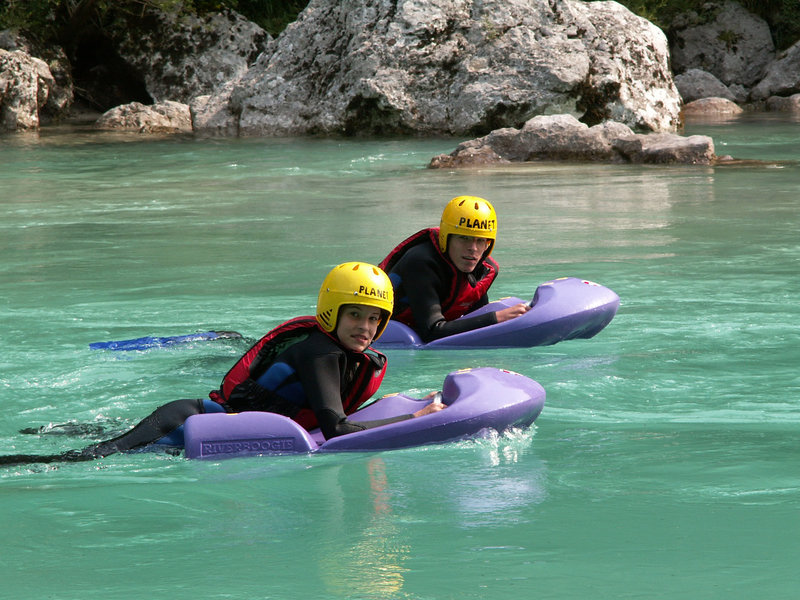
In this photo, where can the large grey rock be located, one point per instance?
(724, 39)
(452, 67)
(211, 115)
(62, 93)
(784, 103)
(696, 83)
(180, 57)
(25, 86)
(562, 137)
(782, 77)
(712, 106)
(666, 148)
(162, 117)
(57, 78)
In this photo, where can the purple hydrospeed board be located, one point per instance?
(562, 309)
(477, 400)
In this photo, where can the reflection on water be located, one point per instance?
(372, 556)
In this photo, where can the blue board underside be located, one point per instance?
(147, 342)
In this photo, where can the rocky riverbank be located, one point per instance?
(425, 67)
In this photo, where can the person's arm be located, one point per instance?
(321, 380)
(425, 299)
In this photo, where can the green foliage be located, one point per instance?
(659, 12)
(729, 38)
(782, 16)
(27, 14)
(272, 15)
(59, 19)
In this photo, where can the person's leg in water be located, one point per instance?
(161, 422)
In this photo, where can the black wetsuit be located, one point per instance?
(316, 373)
(313, 373)
(422, 279)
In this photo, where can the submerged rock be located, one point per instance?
(562, 137)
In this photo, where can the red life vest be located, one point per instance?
(258, 359)
(461, 296)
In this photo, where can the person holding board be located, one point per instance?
(441, 273)
(315, 370)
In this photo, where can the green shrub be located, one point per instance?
(49, 20)
(782, 16)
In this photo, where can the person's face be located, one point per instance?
(466, 251)
(357, 326)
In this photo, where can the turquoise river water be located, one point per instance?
(664, 464)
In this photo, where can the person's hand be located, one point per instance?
(435, 406)
(431, 408)
(512, 312)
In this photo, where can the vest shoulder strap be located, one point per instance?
(432, 234)
(261, 355)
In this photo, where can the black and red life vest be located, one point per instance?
(461, 296)
(263, 353)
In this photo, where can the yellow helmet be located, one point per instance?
(354, 283)
(468, 215)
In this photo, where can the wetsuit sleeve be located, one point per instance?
(320, 376)
(422, 286)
